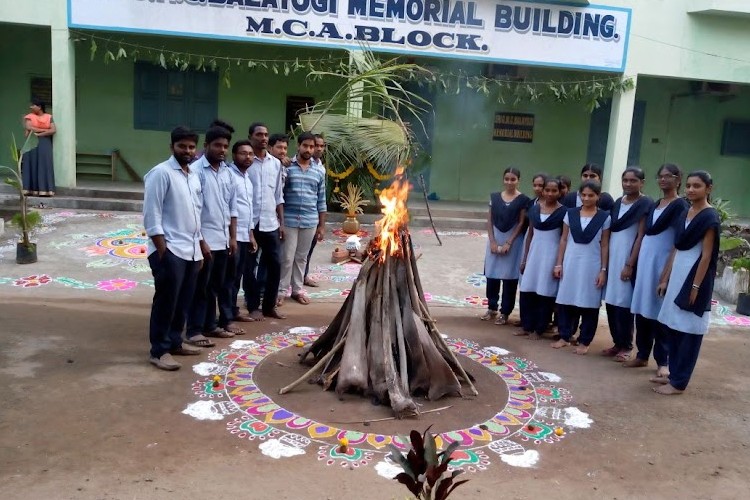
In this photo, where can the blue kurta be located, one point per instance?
(653, 256)
(620, 293)
(671, 315)
(540, 262)
(581, 266)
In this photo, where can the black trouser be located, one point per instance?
(536, 311)
(569, 317)
(236, 269)
(270, 246)
(174, 285)
(650, 333)
(309, 255)
(209, 290)
(683, 354)
(620, 326)
(508, 301)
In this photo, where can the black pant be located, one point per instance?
(174, 285)
(620, 326)
(536, 311)
(650, 333)
(509, 295)
(236, 274)
(309, 255)
(569, 317)
(683, 354)
(209, 290)
(270, 246)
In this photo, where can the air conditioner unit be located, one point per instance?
(714, 88)
(506, 72)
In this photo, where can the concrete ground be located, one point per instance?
(85, 416)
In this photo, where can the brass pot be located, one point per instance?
(350, 225)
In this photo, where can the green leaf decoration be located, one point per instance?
(92, 49)
(162, 60)
(121, 54)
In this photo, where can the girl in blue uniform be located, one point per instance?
(538, 288)
(582, 268)
(589, 172)
(505, 222)
(655, 250)
(628, 224)
(688, 283)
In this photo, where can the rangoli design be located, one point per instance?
(537, 413)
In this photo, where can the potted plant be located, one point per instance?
(743, 299)
(352, 201)
(25, 219)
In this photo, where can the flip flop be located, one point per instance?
(200, 341)
(301, 298)
(309, 282)
(234, 329)
(244, 318)
(219, 333)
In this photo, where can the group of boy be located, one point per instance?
(216, 226)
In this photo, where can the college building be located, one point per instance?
(688, 60)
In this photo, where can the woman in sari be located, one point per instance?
(36, 166)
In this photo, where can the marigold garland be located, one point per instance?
(377, 175)
(341, 175)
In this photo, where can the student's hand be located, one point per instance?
(253, 245)
(693, 296)
(281, 233)
(320, 233)
(557, 272)
(161, 252)
(232, 247)
(601, 279)
(505, 248)
(493, 247)
(626, 273)
(286, 161)
(205, 250)
(661, 290)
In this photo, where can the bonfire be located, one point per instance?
(383, 343)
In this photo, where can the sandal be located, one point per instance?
(490, 314)
(301, 298)
(200, 341)
(219, 333)
(622, 356)
(521, 333)
(612, 351)
(244, 318)
(502, 319)
(234, 329)
(312, 283)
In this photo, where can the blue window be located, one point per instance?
(165, 99)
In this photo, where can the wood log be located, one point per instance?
(442, 379)
(314, 369)
(376, 371)
(419, 372)
(353, 366)
(395, 313)
(401, 403)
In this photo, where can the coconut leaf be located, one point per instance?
(729, 244)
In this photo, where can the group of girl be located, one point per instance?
(652, 262)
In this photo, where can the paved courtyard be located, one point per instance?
(85, 416)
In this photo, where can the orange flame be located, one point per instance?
(395, 215)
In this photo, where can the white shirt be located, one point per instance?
(219, 202)
(244, 189)
(268, 191)
(172, 204)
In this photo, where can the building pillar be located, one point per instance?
(618, 140)
(355, 99)
(64, 106)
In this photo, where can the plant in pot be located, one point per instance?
(352, 202)
(743, 299)
(26, 220)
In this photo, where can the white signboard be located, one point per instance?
(515, 32)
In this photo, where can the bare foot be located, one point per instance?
(231, 328)
(521, 333)
(659, 380)
(662, 372)
(244, 318)
(257, 316)
(559, 344)
(280, 301)
(667, 390)
(581, 349)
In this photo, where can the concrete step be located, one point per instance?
(74, 202)
(116, 194)
(440, 212)
(446, 223)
